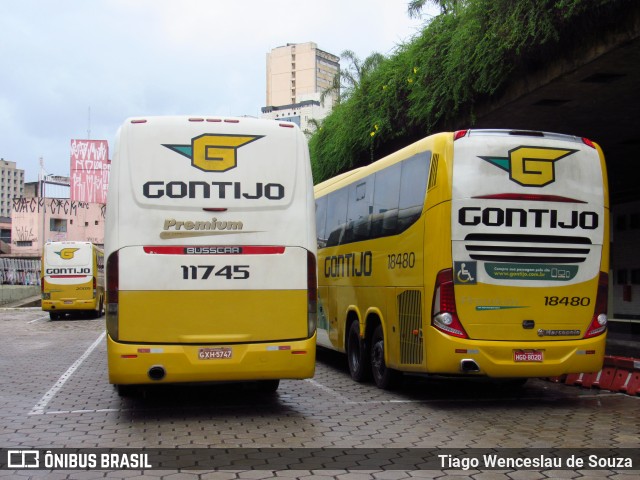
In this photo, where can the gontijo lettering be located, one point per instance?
(195, 189)
(532, 217)
(355, 264)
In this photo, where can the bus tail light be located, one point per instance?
(444, 316)
(312, 293)
(459, 134)
(113, 280)
(599, 322)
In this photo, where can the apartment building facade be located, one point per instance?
(297, 74)
(11, 186)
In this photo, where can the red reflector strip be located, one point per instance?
(196, 119)
(461, 350)
(298, 352)
(214, 250)
(68, 276)
(144, 350)
(529, 197)
(129, 356)
(138, 121)
(216, 120)
(230, 120)
(287, 125)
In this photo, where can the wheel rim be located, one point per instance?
(377, 358)
(354, 354)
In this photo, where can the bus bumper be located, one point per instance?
(445, 355)
(132, 364)
(63, 306)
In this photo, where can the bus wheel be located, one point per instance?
(357, 358)
(385, 378)
(54, 316)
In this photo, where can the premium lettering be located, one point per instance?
(221, 190)
(356, 264)
(214, 224)
(531, 217)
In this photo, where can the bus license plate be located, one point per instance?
(527, 356)
(215, 353)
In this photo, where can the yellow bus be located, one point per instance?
(211, 253)
(72, 279)
(474, 253)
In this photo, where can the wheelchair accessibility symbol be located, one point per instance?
(465, 273)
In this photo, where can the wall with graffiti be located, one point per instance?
(20, 271)
(60, 218)
(90, 168)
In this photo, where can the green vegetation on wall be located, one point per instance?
(461, 59)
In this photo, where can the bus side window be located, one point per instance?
(358, 211)
(413, 186)
(321, 221)
(386, 197)
(336, 216)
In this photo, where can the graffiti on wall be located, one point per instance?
(24, 234)
(20, 271)
(53, 206)
(90, 168)
(54, 219)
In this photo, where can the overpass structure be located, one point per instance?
(594, 92)
(591, 92)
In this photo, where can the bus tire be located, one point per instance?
(384, 377)
(357, 357)
(54, 315)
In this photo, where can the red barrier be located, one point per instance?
(618, 374)
(633, 387)
(574, 379)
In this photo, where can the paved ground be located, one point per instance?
(55, 394)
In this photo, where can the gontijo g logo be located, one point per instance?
(530, 166)
(67, 253)
(214, 152)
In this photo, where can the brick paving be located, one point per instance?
(329, 412)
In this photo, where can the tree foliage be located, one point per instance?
(462, 58)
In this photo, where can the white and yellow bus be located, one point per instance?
(479, 252)
(211, 252)
(72, 279)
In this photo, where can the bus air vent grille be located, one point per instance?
(433, 171)
(496, 247)
(410, 319)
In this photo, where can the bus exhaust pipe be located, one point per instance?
(469, 366)
(157, 372)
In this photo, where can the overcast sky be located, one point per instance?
(76, 69)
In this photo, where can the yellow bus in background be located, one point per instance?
(211, 253)
(72, 279)
(474, 253)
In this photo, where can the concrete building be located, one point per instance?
(11, 185)
(297, 74)
(36, 220)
